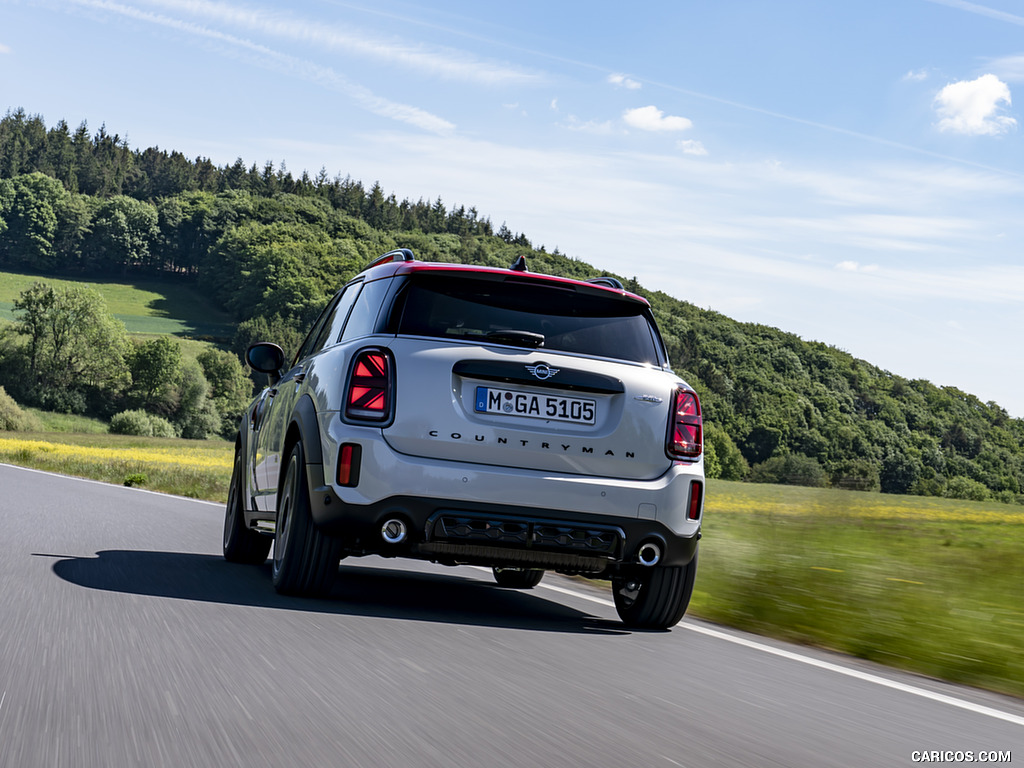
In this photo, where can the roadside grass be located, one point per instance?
(68, 422)
(199, 469)
(144, 306)
(928, 585)
(933, 586)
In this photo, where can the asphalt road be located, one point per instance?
(126, 640)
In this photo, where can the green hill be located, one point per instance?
(145, 306)
(267, 250)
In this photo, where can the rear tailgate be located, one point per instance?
(531, 409)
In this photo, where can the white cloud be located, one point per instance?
(624, 81)
(442, 62)
(653, 119)
(290, 65)
(982, 10)
(971, 107)
(4, 48)
(1009, 68)
(916, 75)
(554, 105)
(853, 266)
(691, 147)
(573, 123)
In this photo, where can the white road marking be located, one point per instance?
(111, 485)
(826, 665)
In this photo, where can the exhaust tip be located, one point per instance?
(394, 531)
(649, 554)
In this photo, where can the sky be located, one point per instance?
(852, 173)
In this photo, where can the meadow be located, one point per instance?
(924, 584)
(146, 307)
(927, 585)
(199, 469)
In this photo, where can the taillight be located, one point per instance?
(686, 428)
(369, 392)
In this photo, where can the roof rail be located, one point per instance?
(611, 282)
(399, 254)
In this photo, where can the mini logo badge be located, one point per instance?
(542, 371)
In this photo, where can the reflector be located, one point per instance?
(696, 497)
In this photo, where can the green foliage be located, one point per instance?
(74, 349)
(230, 388)
(965, 488)
(123, 235)
(13, 418)
(155, 369)
(195, 415)
(270, 249)
(275, 329)
(855, 475)
(29, 205)
(141, 424)
(729, 463)
(791, 469)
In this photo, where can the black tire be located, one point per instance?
(654, 598)
(241, 543)
(305, 560)
(518, 578)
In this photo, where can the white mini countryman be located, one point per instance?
(468, 415)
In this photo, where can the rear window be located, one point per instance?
(458, 307)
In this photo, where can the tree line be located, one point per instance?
(65, 352)
(271, 249)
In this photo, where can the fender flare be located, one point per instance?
(304, 420)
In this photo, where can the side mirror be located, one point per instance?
(265, 357)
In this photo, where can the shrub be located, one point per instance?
(13, 418)
(727, 460)
(965, 488)
(141, 424)
(791, 469)
(855, 475)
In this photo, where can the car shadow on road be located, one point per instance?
(361, 590)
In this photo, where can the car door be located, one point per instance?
(282, 399)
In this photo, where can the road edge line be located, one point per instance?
(857, 674)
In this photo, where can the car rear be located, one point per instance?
(507, 418)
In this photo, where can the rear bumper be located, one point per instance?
(462, 512)
(454, 531)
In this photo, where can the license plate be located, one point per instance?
(510, 402)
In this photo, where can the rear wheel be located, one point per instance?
(305, 560)
(518, 578)
(654, 598)
(241, 543)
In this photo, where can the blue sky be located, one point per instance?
(852, 173)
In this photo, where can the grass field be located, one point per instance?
(925, 584)
(928, 585)
(150, 307)
(199, 469)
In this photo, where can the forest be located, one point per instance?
(270, 249)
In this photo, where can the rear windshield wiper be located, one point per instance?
(517, 338)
